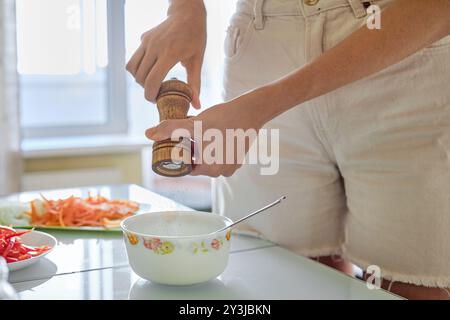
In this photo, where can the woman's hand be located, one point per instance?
(180, 38)
(222, 134)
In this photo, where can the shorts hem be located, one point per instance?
(393, 276)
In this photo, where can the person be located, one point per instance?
(361, 101)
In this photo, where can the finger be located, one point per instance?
(145, 34)
(194, 71)
(133, 65)
(156, 77)
(171, 129)
(144, 68)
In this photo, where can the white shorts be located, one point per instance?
(366, 168)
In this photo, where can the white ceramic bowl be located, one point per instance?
(177, 247)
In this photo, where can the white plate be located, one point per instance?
(34, 239)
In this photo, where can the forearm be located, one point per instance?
(407, 26)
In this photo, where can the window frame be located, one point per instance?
(116, 90)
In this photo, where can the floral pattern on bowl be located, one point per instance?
(158, 246)
(203, 247)
(228, 235)
(198, 247)
(164, 247)
(216, 243)
(132, 238)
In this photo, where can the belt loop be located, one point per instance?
(358, 8)
(258, 12)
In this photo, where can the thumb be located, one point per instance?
(171, 129)
(194, 72)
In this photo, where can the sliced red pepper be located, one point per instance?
(13, 250)
(11, 243)
(24, 257)
(9, 259)
(4, 231)
(17, 234)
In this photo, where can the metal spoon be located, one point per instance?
(270, 205)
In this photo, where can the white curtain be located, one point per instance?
(10, 160)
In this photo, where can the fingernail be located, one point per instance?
(197, 104)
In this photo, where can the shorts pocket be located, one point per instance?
(238, 36)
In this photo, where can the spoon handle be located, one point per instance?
(270, 205)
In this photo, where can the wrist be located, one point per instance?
(186, 7)
(259, 104)
(275, 98)
(269, 101)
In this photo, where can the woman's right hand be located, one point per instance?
(180, 38)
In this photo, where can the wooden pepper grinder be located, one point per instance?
(173, 158)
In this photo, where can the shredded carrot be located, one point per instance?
(74, 211)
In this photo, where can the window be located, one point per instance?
(71, 63)
(70, 67)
